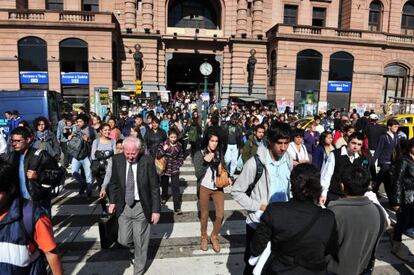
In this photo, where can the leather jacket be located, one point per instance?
(404, 181)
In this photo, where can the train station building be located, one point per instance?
(310, 55)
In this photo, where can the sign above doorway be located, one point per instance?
(339, 86)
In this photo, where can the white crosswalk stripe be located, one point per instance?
(174, 246)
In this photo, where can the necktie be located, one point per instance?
(129, 188)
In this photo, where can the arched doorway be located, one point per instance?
(395, 81)
(204, 14)
(183, 73)
(32, 52)
(341, 68)
(308, 82)
(74, 72)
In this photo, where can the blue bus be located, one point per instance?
(31, 104)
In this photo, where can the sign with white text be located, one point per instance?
(79, 78)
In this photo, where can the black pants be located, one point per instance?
(102, 202)
(66, 157)
(248, 269)
(175, 188)
(385, 176)
(405, 219)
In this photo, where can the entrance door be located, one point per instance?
(183, 73)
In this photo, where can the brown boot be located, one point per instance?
(204, 243)
(215, 243)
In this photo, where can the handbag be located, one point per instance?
(160, 165)
(222, 179)
(95, 168)
(108, 230)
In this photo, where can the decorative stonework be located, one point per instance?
(130, 14)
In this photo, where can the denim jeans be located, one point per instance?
(86, 164)
(230, 158)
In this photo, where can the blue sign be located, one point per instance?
(339, 86)
(34, 78)
(74, 78)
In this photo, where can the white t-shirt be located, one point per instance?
(296, 155)
(207, 181)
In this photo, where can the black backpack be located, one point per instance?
(51, 175)
(259, 173)
(77, 147)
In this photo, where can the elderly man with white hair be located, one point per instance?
(134, 196)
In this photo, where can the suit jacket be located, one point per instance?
(147, 181)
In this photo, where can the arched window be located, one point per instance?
(407, 22)
(308, 81)
(341, 68)
(194, 14)
(395, 81)
(73, 55)
(272, 68)
(32, 52)
(74, 73)
(375, 12)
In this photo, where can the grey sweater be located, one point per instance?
(358, 223)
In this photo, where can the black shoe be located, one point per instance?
(178, 211)
(82, 190)
(89, 193)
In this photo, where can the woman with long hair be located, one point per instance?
(103, 148)
(173, 152)
(206, 165)
(402, 199)
(115, 133)
(44, 138)
(322, 151)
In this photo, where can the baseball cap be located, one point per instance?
(373, 116)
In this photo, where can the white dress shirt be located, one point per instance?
(328, 169)
(134, 170)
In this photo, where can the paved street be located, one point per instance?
(174, 247)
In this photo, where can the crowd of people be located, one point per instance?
(311, 194)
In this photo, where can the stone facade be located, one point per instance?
(240, 25)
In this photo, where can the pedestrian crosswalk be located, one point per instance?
(174, 245)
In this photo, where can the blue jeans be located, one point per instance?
(86, 164)
(230, 158)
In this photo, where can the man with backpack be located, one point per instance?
(79, 147)
(38, 172)
(253, 143)
(264, 179)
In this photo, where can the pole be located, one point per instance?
(205, 83)
(205, 103)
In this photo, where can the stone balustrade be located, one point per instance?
(56, 16)
(282, 30)
(69, 16)
(26, 15)
(307, 30)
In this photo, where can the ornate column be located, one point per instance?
(257, 28)
(241, 17)
(147, 14)
(130, 14)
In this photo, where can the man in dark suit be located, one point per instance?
(134, 195)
